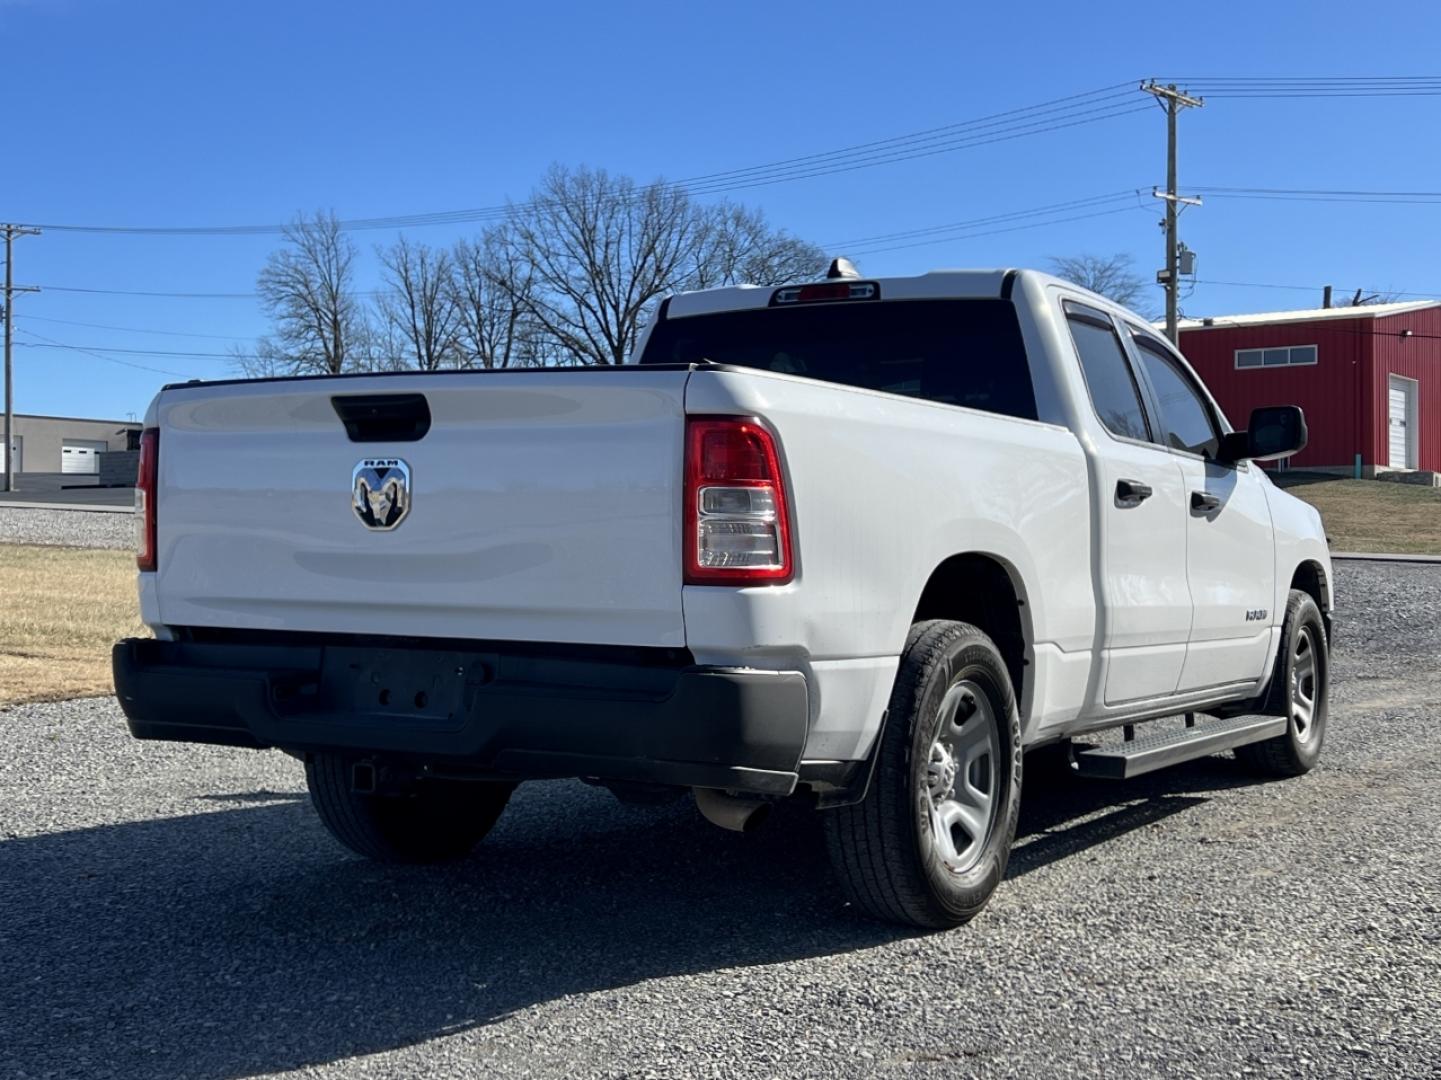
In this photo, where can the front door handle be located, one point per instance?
(1132, 492)
(1203, 502)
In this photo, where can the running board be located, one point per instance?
(1150, 752)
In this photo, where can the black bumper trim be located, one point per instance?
(522, 715)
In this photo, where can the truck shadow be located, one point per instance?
(240, 940)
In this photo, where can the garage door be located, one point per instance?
(1401, 423)
(81, 455)
(18, 443)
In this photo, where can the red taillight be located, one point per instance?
(145, 498)
(737, 529)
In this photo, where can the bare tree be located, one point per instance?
(572, 274)
(588, 257)
(418, 304)
(308, 290)
(738, 246)
(380, 344)
(1112, 276)
(264, 361)
(600, 250)
(492, 289)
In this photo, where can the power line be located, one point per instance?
(1326, 191)
(49, 344)
(993, 232)
(1075, 120)
(1313, 86)
(1115, 91)
(133, 292)
(139, 330)
(1396, 198)
(1124, 195)
(950, 232)
(1305, 288)
(1073, 110)
(1327, 79)
(1095, 200)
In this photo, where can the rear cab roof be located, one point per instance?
(935, 285)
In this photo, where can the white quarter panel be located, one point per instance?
(545, 507)
(883, 490)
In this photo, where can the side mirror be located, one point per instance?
(1275, 431)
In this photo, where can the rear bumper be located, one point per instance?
(514, 714)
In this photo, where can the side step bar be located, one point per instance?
(1150, 752)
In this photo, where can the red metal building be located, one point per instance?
(1368, 378)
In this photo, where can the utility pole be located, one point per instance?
(11, 232)
(1173, 101)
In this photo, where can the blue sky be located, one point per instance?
(190, 113)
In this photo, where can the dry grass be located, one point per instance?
(60, 611)
(1371, 515)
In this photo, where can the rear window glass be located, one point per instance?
(957, 352)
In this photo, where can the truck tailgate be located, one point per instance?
(544, 506)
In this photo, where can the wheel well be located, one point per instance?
(980, 590)
(1311, 578)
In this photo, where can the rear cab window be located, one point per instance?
(955, 352)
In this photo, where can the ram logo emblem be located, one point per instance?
(380, 492)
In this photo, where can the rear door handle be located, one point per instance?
(1132, 492)
(1203, 502)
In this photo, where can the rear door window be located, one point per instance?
(956, 352)
(1109, 378)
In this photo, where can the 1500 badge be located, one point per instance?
(1257, 615)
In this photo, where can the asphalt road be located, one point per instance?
(175, 911)
(59, 489)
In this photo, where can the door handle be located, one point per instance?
(1203, 502)
(1132, 492)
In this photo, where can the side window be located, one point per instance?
(1184, 411)
(1113, 388)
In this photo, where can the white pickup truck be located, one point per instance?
(861, 542)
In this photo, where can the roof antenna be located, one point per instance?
(842, 268)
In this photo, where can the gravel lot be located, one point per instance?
(178, 911)
(67, 528)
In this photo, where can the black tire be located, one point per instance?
(884, 849)
(436, 822)
(1296, 751)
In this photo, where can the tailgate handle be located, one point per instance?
(383, 417)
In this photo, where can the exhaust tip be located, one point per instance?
(733, 812)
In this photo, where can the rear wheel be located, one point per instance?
(434, 822)
(929, 843)
(1298, 691)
